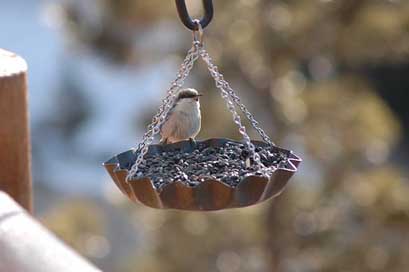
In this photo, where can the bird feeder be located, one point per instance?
(205, 175)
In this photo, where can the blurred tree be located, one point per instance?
(82, 224)
(307, 65)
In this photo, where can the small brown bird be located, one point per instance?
(184, 120)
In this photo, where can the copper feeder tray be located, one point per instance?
(210, 194)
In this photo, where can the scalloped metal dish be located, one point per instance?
(208, 195)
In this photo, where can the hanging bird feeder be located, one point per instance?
(213, 174)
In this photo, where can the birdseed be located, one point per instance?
(228, 163)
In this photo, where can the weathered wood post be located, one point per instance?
(27, 246)
(15, 168)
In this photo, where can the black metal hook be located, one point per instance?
(187, 20)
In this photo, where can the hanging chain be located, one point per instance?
(247, 113)
(198, 40)
(167, 103)
(220, 84)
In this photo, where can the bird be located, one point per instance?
(183, 120)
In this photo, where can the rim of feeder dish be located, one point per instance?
(211, 194)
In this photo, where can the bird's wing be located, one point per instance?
(170, 112)
(167, 126)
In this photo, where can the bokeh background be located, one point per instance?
(328, 79)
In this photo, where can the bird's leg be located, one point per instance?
(192, 142)
(164, 141)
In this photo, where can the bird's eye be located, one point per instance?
(196, 98)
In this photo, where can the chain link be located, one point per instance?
(167, 103)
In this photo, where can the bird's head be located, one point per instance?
(188, 95)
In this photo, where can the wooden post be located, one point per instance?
(15, 177)
(27, 246)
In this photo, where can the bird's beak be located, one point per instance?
(197, 97)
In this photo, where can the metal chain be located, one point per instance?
(167, 103)
(246, 112)
(220, 84)
(199, 40)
